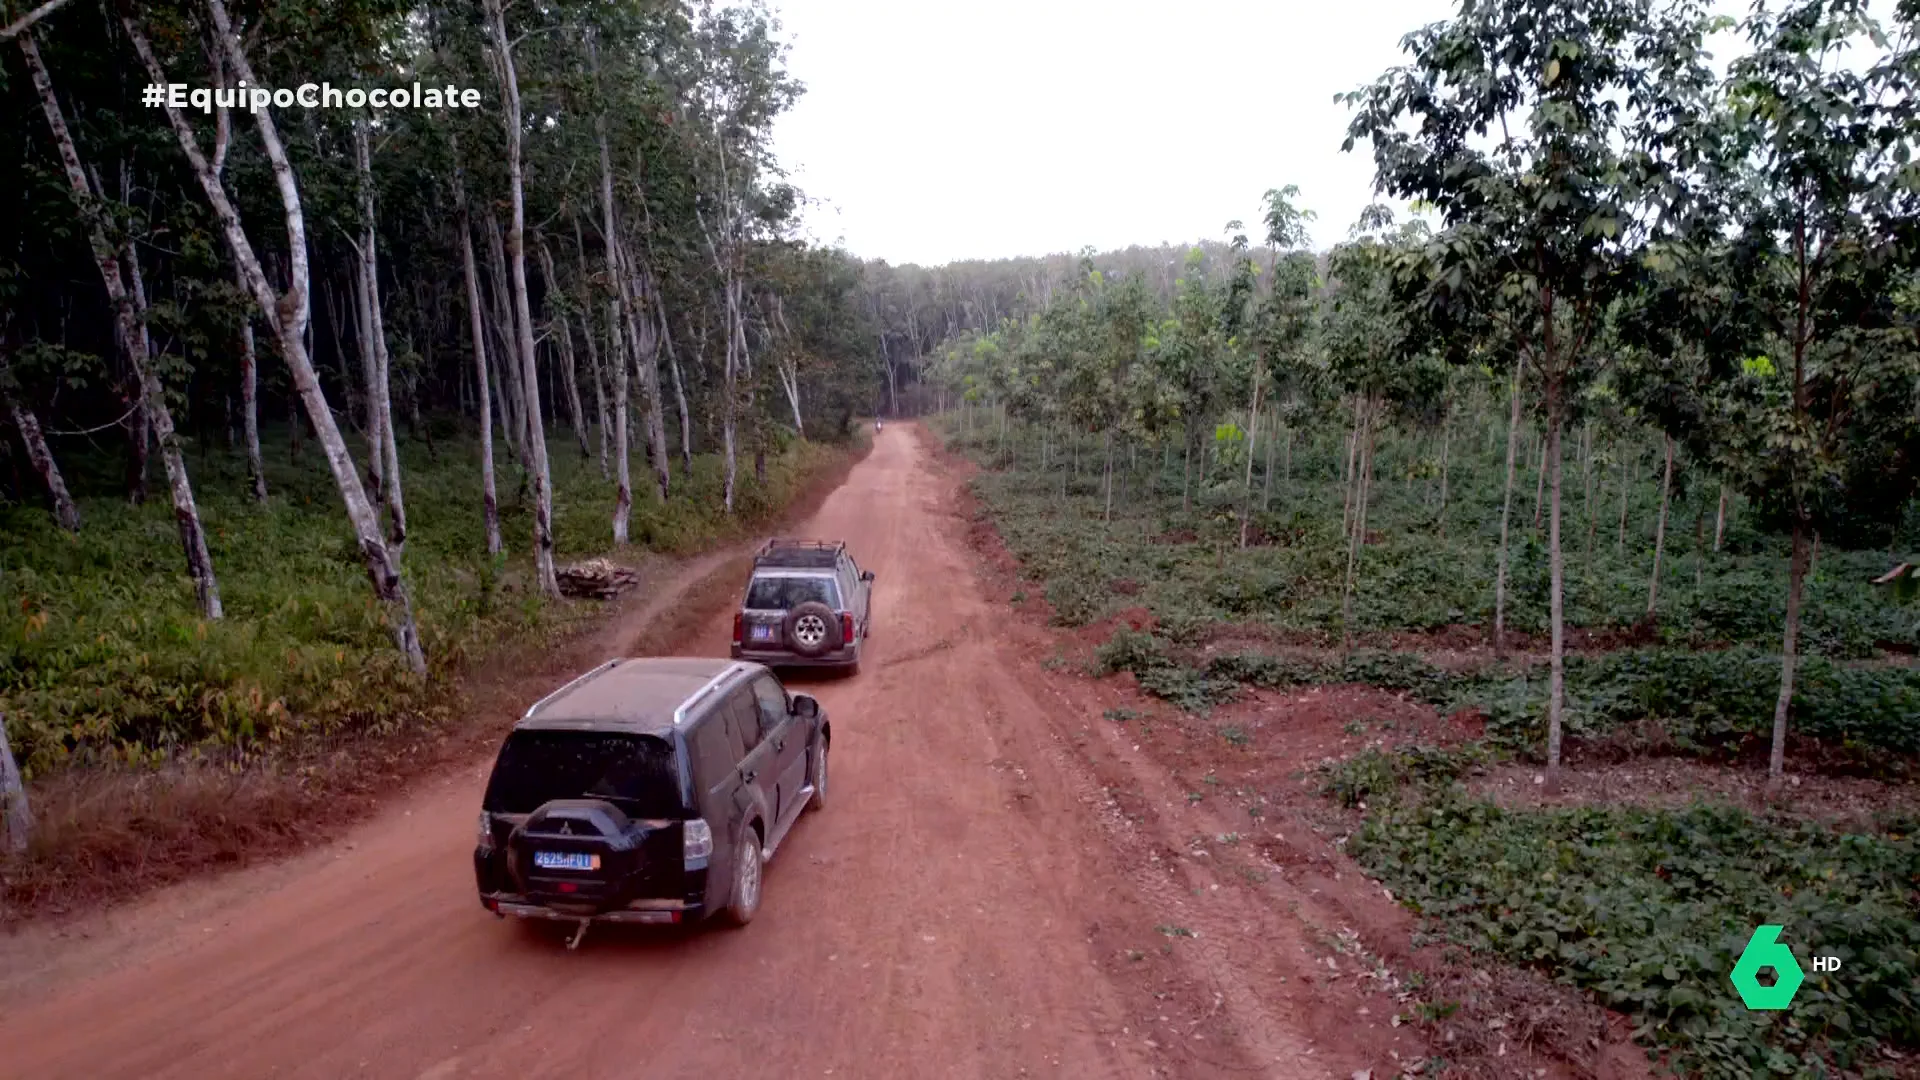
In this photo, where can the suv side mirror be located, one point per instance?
(805, 706)
(866, 575)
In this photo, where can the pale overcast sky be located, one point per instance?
(934, 131)
(940, 131)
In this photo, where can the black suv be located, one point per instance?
(808, 604)
(649, 791)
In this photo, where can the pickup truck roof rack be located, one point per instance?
(809, 554)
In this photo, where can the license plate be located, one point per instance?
(763, 633)
(565, 860)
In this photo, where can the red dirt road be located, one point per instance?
(970, 904)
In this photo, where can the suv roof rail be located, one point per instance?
(782, 544)
(778, 546)
(570, 684)
(680, 712)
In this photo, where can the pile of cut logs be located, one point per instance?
(597, 578)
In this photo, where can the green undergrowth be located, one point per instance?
(1185, 566)
(1648, 909)
(1707, 704)
(103, 656)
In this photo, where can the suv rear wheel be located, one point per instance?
(747, 867)
(817, 776)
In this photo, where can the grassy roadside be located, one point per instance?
(160, 747)
(1640, 897)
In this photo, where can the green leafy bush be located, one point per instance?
(1716, 702)
(1648, 909)
(103, 655)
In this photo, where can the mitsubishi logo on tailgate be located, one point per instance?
(566, 828)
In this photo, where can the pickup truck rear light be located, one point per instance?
(846, 627)
(739, 625)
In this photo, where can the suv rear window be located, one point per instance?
(787, 593)
(636, 773)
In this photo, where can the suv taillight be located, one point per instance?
(696, 839)
(846, 628)
(739, 624)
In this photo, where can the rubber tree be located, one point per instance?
(1285, 313)
(538, 471)
(288, 313)
(477, 331)
(1364, 332)
(1808, 163)
(127, 295)
(1532, 128)
(65, 513)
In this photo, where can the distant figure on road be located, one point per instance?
(878, 426)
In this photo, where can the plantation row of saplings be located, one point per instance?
(1640, 377)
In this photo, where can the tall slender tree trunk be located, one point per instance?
(1349, 477)
(14, 809)
(65, 513)
(680, 401)
(476, 325)
(1620, 545)
(139, 444)
(645, 317)
(288, 314)
(1266, 471)
(1186, 471)
(1699, 554)
(193, 537)
(593, 352)
(1253, 429)
(1789, 651)
(506, 374)
(728, 407)
(1446, 440)
(1660, 531)
(569, 373)
(380, 387)
(369, 376)
(130, 308)
(601, 412)
(623, 476)
(1506, 518)
(1540, 485)
(1593, 500)
(1357, 542)
(523, 311)
(1720, 519)
(347, 397)
(1557, 681)
(1107, 514)
(250, 410)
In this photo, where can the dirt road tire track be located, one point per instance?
(962, 908)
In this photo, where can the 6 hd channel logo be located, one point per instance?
(1764, 951)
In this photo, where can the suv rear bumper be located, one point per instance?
(499, 894)
(783, 658)
(653, 912)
